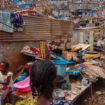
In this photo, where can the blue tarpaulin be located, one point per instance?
(92, 13)
(61, 60)
(25, 5)
(15, 1)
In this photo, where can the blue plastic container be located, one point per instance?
(75, 73)
(60, 16)
(61, 67)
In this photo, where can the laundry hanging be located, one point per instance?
(5, 22)
(17, 21)
(10, 22)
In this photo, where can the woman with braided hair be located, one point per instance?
(43, 78)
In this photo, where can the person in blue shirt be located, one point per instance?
(43, 79)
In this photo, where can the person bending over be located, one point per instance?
(43, 78)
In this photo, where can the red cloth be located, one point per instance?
(34, 49)
(48, 50)
(5, 87)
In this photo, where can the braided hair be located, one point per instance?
(42, 74)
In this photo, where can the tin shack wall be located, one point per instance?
(35, 30)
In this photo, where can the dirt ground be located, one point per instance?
(94, 97)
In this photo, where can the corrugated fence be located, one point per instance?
(40, 28)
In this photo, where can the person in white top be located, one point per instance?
(5, 81)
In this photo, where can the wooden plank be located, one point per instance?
(79, 94)
(81, 37)
(16, 60)
(91, 40)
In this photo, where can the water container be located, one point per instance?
(61, 67)
(61, 70)
(60, 16)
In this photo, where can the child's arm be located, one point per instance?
(6, 82)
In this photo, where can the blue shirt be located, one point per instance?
(60, 102)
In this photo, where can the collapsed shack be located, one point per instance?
(82, 74)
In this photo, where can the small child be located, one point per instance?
(6, 82)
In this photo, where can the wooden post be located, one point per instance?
(100, 33)
(81, 37)
(3, 4)
(91, 40)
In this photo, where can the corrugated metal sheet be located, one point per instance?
(39, 28)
